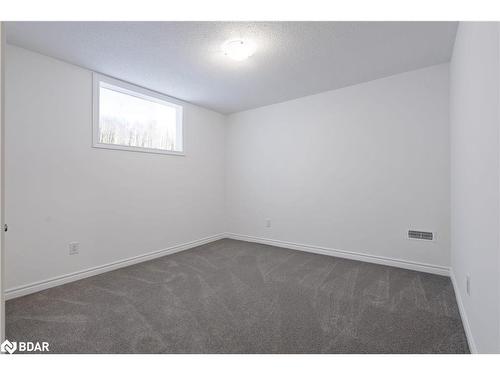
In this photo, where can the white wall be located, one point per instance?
(474, 117)
(348, 169)
(117, 204)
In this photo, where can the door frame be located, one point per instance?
(2, 181)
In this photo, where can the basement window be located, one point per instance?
(131, 118)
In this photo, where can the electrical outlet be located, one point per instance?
(467, 284)
(74, 248)
(268, 223)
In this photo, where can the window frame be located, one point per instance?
(141, 93)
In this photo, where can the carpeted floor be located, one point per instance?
(237, 297)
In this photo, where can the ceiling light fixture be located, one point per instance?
(238, 49)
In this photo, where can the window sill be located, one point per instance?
(138, 149)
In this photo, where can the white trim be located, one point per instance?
(2, 180)
(142, 93)
(463, 314)
(422, 267)
(63, 279)
(416, 266)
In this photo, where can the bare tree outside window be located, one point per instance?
(133, 121)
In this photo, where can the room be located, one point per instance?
(251, 187)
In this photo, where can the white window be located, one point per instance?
(128, 117)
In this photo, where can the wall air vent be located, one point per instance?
(417, 235)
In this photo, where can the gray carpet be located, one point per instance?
(237, 297)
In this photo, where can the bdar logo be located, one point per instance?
(8, 347)
(24, 346)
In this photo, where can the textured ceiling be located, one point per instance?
(293, 59)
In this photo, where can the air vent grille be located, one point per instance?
(418, 235)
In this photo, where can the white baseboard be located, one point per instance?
(423, 267)
(55, 281)
(63, 279)
(463, 314)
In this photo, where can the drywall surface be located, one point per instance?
(185, 59)
(350, 169)
(474, 118)
(116, 204)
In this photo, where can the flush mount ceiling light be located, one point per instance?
(238, 49)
